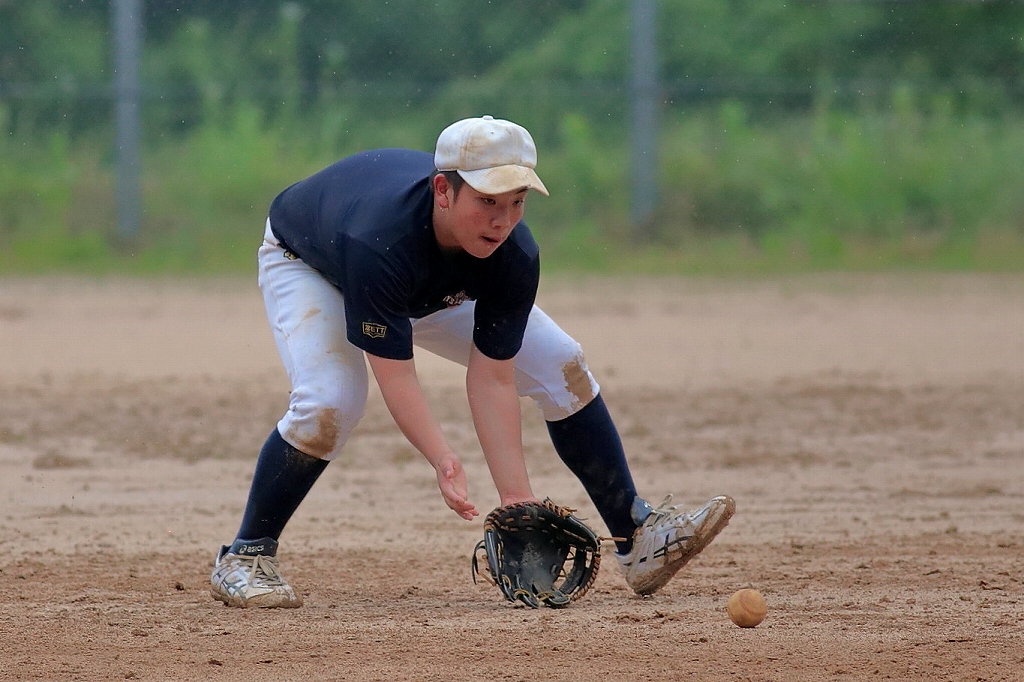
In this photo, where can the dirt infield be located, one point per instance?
(871, 429)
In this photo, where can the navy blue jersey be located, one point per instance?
(364, 223)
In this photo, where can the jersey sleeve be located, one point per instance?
(376, 315)
(501, 315)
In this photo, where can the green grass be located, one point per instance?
(738, 255)
(915, 186)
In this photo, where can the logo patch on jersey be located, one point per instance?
(452, 300)
(374, 330)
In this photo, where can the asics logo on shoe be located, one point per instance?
(255, 580)
(669, 538)
(251, 550)
(673, 546)
(235, 587)
(665, 549)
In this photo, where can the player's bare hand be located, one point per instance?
(451, 480)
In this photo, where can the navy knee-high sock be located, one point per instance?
(283, 477)
(589, 444)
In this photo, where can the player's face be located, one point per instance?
(480, 223)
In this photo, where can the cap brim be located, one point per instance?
(501, 179)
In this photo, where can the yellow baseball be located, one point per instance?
(746, 608)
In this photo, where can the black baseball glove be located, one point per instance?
(539, 553)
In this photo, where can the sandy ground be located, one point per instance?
(870, 428)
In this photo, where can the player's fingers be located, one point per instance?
(454, 485)
(455, 491)
(459, 503)
(463, 508)
(449, 489)
(456, 499)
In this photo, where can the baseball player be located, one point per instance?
(394, 248)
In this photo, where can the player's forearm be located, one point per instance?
(494, 403)
(404, 397)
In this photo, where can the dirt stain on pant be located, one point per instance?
(325, 439)
(577, 380)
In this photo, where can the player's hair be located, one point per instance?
(453, 178)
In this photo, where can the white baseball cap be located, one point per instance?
(493, 156)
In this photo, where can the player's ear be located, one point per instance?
(441, 188)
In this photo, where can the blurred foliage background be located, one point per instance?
(800, 135)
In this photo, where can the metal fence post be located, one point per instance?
(127, 29)
(644, 119)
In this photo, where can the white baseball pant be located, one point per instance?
(328, 374)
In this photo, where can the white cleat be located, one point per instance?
(668, 538)
(246, 578)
